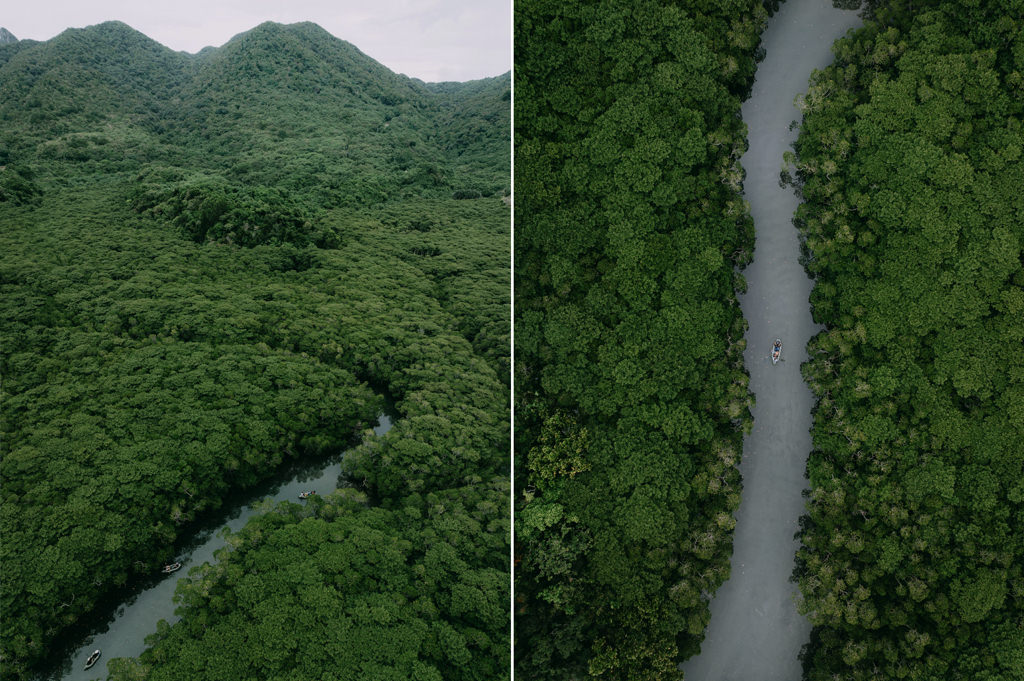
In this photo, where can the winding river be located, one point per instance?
(124, 633)
(756, 633)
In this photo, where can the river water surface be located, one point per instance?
(755, 632)
(124, 634)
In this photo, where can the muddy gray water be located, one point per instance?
(125, 633)
(756, 633)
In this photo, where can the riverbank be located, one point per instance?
(124, 634)
(755, 631)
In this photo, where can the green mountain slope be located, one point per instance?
(10, 45)
(368, 129)
(206, 262)
(254, 111)
(84, 81)
(473, 114)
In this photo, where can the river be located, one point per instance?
(755, 632)
(124, 633)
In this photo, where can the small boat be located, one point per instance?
(173, 567)
(776, 351)
(306, 495)
(92, 659)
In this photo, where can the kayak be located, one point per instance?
(92, 659)
(168, 569)
(306, 495)
(776, 351)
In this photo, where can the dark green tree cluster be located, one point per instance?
(631, 392)
(16, 185)
(211, 209)
(909, 161)
(178, 323)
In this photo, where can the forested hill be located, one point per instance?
(909, 161)
(211, 264)
(472, 113)
(251, 110)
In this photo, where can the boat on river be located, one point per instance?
(173, 567)
(92, 659)
(776, 351)
(306, 495)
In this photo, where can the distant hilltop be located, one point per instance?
(6, 36)
(273, 95)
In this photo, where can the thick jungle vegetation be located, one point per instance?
(631, 393)
(411, 592)
(213, 263)
(909, 163)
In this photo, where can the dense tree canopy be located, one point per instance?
(336, 590)
(631, 394)
(909, 161)
(192, 296)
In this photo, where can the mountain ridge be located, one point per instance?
(263, 95)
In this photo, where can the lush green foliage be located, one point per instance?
(468, 267)
(631, 394)
(336, 590)
(331, 124)
(182, 312)
(912, 564)
(210, 209)
(16, 185)
(471, 128)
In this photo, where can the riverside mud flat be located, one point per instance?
(755, 632)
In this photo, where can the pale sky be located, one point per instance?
(433, 40)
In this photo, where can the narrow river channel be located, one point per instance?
(756, 633)
(124, 634)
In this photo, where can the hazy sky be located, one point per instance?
(433, 40)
